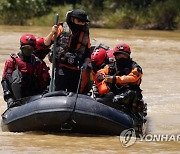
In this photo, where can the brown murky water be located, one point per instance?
(157, 52)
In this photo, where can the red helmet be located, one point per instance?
(110, 54)
(41, 49)
(28, 39)
(122, 48)
(40, 44)
(99, 56)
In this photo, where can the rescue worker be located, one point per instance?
(41, 52)
(73, 49)
(101, 55)
(99, 60)
(22, 72)
(110, 54)
(123, 79)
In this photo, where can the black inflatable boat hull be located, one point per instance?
(55, 112)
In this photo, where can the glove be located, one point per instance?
(109, 79)
(99, 76)
(84, 66)
(10, 103)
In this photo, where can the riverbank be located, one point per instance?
(126, 18)
(146, 15)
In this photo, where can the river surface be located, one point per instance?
(157, 52)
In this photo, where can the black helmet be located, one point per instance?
(80, 14)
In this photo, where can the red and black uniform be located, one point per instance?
(22, 76)
(44, 76)
(41, 51)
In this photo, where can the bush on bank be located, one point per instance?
(16, 12)
(49, 19)
(162, 15)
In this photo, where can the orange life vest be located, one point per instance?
(132, 77)
(67, 58)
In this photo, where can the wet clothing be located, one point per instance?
(22, 76)
(73, 47)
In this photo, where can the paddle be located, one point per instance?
(78, 87)
(67, 125)
(52, 83)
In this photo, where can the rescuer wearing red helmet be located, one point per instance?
(41, 51)
(99, 59)
(22, 72)
(110, 54)
(72, 49)
(123, 79)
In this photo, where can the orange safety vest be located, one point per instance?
(66, 58)
(101, 85)
(133, 77)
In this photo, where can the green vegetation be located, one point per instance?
(140, 14)
(16, 12)
(48, 19)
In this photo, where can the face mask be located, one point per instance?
(122, 62)
(27, 50)
(76, 27)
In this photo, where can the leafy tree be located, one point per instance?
(148, 14)
(17, 11)
(163, 14)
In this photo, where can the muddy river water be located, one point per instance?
(157, 52)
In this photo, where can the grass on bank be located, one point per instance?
(49, 19)
(125, 18)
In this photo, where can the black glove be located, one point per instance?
(100, 76)
(84, 66)
(10, 103)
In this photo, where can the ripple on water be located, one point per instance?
(156, 51)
